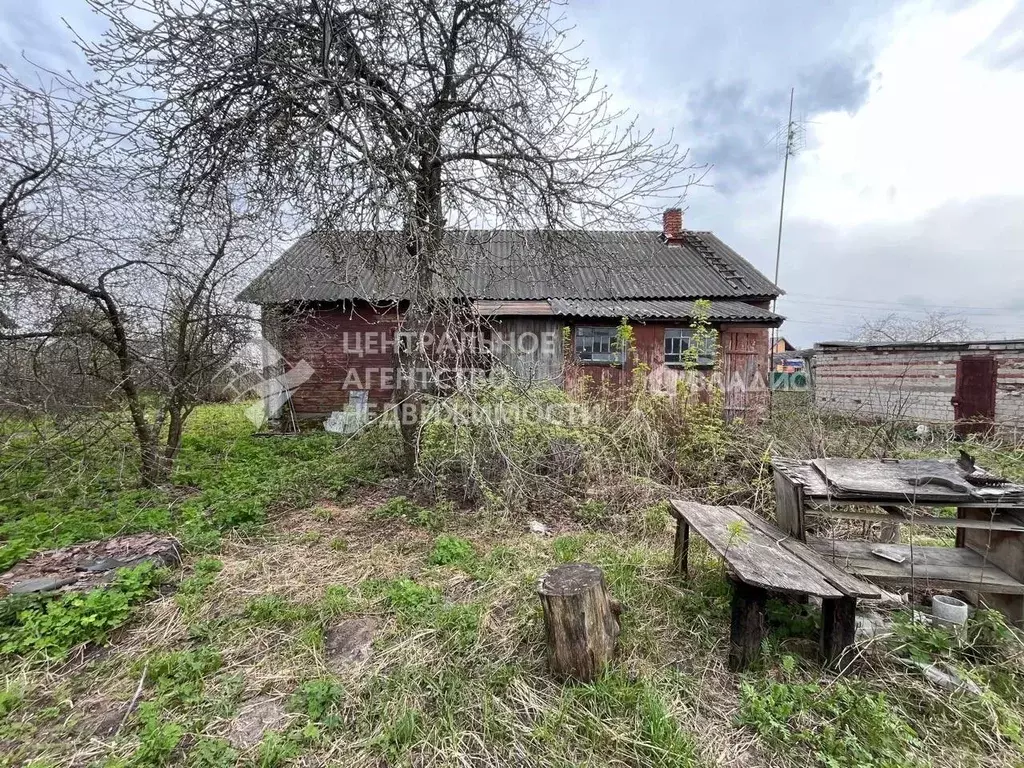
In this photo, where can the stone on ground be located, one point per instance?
(349, 642)
(255, 718)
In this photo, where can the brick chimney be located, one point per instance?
(672, 223)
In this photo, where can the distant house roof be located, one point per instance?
(516, 265)
(970, 346)
(637, 309)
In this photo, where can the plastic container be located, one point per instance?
(948, 611)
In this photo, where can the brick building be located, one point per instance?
(972, 384)
(337, 304)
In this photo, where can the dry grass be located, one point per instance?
(498, 664)
(457, 674)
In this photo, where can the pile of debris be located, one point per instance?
(81, 567)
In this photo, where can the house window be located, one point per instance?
(597, 345)
(678, 340)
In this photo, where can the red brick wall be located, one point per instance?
(348, 349)
(745, 353)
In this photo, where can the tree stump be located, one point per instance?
(580, 619)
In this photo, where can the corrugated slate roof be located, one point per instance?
(637, 309)
(516, 265)
(654, 309)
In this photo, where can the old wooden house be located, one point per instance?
(553, 300)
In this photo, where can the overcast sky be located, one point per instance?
(908, 190)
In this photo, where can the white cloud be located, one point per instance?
(938, 126)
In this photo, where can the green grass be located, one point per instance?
(225, 479)
(457, 671)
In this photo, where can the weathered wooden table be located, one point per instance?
(762, 560)
(987, 563)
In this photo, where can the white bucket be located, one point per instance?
(948, 611)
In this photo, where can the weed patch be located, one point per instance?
(48, 627)
(839, 725)
(454, 551)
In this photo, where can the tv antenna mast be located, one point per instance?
(789, 140)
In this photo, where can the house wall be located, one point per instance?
(531, 348)
(913, 383)
(351, 349)
(746, 360)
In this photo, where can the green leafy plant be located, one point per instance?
(192, 591)
(177, 678)
(320, 701)
(840, 725)
(738, 533)
(412, 599)
(212, 753)
(48, 627)
(277, 609)
(276, 750)
(158, 739)
(593, 512)
(452, 550)
(404, 508)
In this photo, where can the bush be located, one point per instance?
(492, 442)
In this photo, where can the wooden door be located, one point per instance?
(974, 405)
(744, 372)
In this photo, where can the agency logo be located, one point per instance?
(251, 373)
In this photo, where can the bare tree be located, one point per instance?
(110, 283)
(933, 325)
(402, 118)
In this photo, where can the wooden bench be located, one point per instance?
(762, 560)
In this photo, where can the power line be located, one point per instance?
(979, 313)
(893, 304)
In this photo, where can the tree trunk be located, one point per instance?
(425, 235)
(580, 619)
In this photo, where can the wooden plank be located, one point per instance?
(929, 520)
(826, 502)
(747, 627)
(1001, 548)
(681, 550)
(754, 558)
(789, 505)
(941, 567)
(816, 490)
(838, 628)
(837, 577)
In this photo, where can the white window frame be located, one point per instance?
(677, 342)
(603, 338)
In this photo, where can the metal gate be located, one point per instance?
(974, 404)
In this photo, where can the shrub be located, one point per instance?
(496, 441)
